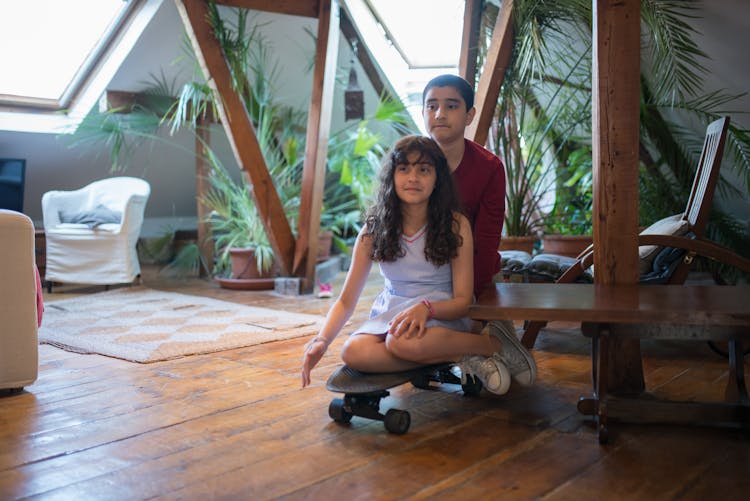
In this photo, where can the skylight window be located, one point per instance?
(50, 46)
(427, 33)
(412, 42)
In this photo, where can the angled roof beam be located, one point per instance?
(316, 149)
(239, 129)
(467, 60)
(488, 88)
(365, 57)
(305, 8)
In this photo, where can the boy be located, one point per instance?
(479, 175)
(447, 108)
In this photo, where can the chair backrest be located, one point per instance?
(706, 176)
(114, 192)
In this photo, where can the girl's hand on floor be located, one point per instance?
(314, 351)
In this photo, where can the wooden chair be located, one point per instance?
(668, 247)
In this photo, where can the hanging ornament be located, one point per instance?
(354, 97)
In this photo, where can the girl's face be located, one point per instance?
(415, 179)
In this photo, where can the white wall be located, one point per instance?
(724, 26)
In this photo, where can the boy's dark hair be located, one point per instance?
(384, 220)
(462, 86)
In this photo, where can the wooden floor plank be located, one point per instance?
(237, 424)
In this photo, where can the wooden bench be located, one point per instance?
(621, 315)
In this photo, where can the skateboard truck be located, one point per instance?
(367, 405)
(363, 393)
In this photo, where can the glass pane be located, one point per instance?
(427, 32)
(45, 42)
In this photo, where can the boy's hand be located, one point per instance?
(314, 351)
(410, 322)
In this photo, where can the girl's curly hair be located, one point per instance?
(384, 219)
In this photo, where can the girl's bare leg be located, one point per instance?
(368, 353)
(440, 344)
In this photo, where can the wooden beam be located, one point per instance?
(615, 129)
(365, 57)
(239, 129)
(467, 60)
(316, 149)
(305, 8)
(488, 89)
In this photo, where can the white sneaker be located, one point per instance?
(517, 359)
(491, 372)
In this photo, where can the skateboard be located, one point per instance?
(364, 391)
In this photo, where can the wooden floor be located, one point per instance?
(237, 425)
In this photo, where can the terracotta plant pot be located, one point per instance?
(565, 245)
(244, 265)
(525, 243)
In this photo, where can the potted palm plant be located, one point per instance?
(244, 252)
(537, 118)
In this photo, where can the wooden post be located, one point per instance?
(615, 141)
(316, 149)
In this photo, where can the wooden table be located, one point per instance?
(624, 314)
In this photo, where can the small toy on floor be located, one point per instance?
(325, 290)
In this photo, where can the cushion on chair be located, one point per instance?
(512, 264)
(672, 225)
(514, 260)
(549, 267)
(92, 217)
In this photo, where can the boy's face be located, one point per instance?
(445, 114)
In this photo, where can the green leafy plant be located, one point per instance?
(571, 214)
(234, 219)
(354, 158)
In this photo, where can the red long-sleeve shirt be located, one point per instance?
(480, 180)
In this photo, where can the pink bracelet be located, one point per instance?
(431, 311)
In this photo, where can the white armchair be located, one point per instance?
(91, 233)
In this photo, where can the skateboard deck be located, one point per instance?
(364, 391)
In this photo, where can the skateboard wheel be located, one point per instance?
(422, 381)
(337, 412)
(472, 387)
(397, 421)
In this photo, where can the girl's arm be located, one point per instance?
(343, 308)
(462, 268)
(411, 322)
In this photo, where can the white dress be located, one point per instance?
(408, 281)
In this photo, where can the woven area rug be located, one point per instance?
(145, 325)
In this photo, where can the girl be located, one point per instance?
(425, 251)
